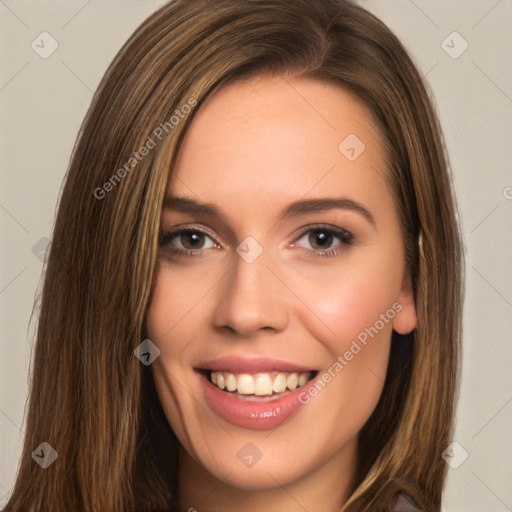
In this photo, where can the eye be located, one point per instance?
(187, 241)
(321, 239)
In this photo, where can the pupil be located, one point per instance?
(319, 237)
(194, 238)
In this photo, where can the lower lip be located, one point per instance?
(253, 415)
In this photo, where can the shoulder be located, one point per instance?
(402, 503)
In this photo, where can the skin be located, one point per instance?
(253, 148)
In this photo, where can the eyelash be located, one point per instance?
(345, 237)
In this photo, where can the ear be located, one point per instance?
(405, 320)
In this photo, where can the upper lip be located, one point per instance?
(238, 364)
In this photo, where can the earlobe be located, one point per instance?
(405, 320)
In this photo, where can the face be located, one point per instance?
(280, 277)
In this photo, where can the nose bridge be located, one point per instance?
(251, 298)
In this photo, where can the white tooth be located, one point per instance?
(263, 384)
(291, 381)
(230, 381)
(220, 380)
(245, 384)
(303, 378)
(214, 377)
(279, 383)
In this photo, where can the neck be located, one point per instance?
(325, 488)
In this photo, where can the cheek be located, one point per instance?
(168, 325)
(178, 296)
(353, 315)
(359, 313)
(166, 321)
(354, 300)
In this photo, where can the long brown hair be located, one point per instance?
(90, 398)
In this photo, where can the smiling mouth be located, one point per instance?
(247, 386)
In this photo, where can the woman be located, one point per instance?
(252, 298)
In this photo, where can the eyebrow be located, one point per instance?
(295, 209)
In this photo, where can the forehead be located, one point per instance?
(270, 140)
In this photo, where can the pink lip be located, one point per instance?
(237, 364)
(249, 414)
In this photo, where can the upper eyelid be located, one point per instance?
(187, 228)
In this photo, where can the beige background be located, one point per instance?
(42, 104)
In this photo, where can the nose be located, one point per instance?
(251, 299)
